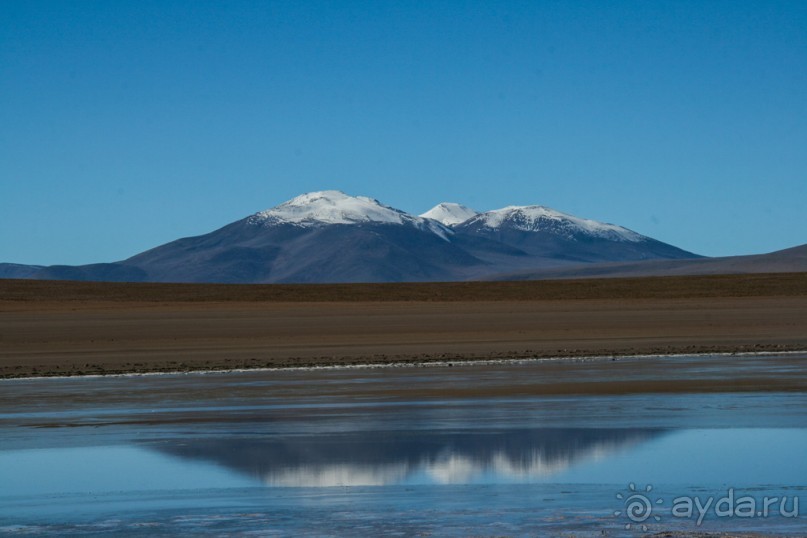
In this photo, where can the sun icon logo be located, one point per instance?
(638, 506)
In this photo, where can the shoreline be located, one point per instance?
(436, 363)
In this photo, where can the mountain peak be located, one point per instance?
(335, 207)
(330, 207)
(449, 213)
(534, 218)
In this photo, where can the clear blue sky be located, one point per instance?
(124, 125)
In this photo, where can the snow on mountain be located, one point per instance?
(336, 207)
(449, 213)
(331, 207)
(537, 218)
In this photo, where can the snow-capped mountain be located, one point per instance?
(537, 218)
(330, 207)
(330, 236)
(335, 207)
(559, 238)
(449, 213)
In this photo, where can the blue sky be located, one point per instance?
(124, 125)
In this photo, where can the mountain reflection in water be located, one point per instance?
(396, 457)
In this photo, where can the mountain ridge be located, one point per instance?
(329, 236)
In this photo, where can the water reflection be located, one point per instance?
(395, 457)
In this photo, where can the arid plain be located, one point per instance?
(68, 328)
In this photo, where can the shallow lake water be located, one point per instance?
(380, 452)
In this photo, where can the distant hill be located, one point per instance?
(791, 260)
(16, 270)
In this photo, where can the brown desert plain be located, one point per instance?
(52, 328)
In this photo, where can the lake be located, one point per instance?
(487, 449)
